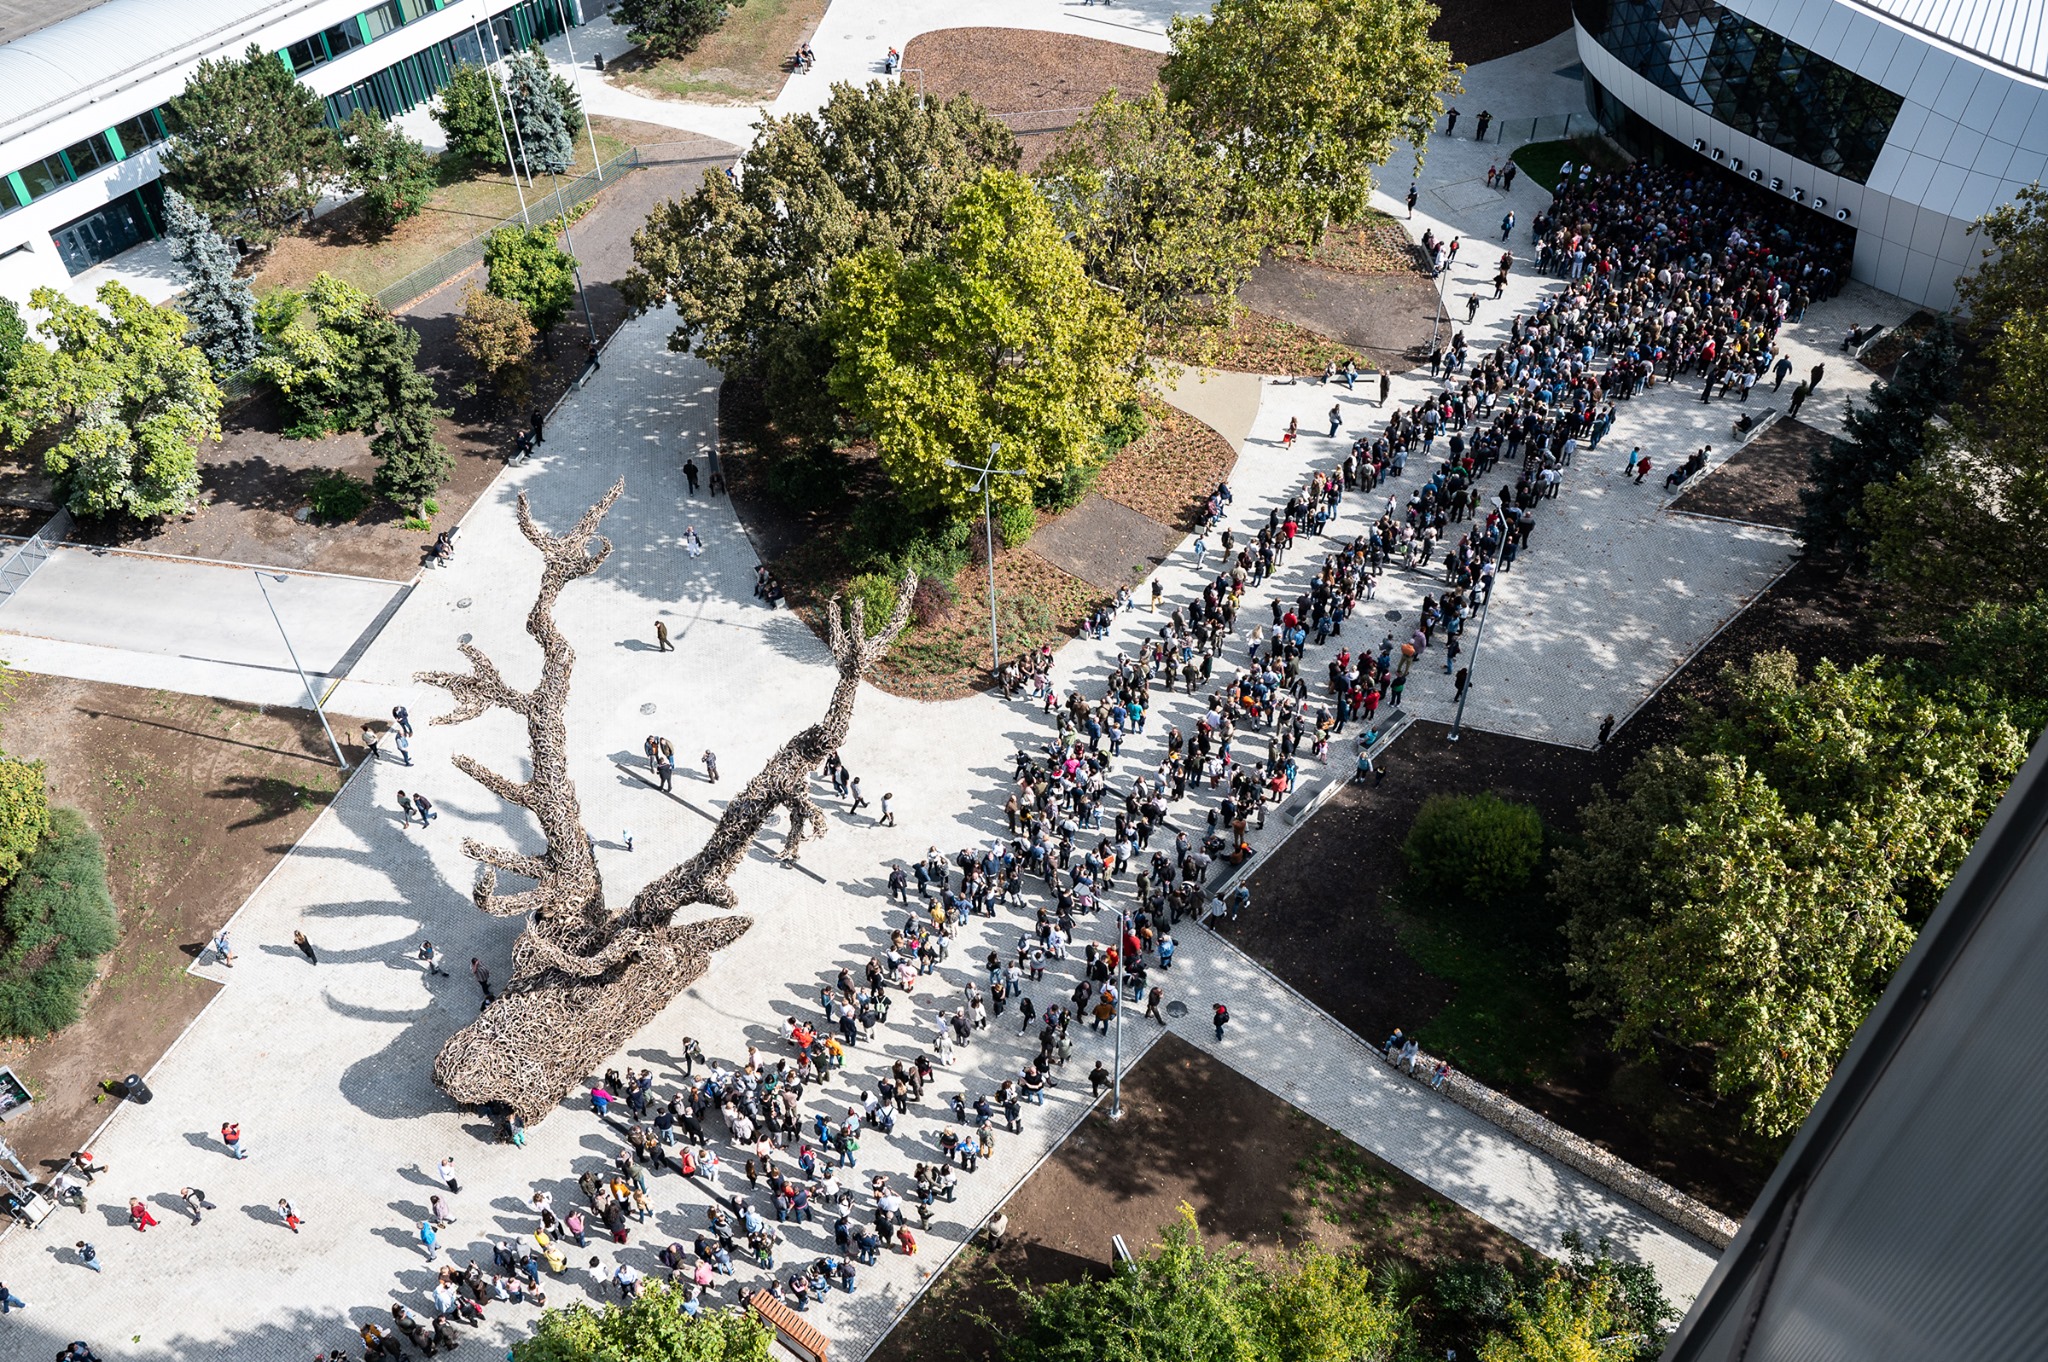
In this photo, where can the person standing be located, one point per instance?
(404, 746)
(371, 737)
(1606, 731)
(1386, 386)
(534, 425)
(1411, 200)
(664, 772)
(1220, 1018)
(446, 1172)
(710, 766)
(305, 947)
(401, 717)
(1450, 120)
(1507, 224)
(1336, 420)
(1479, 131)
(888, 818)
(231, 1136)
(222, 951)
(662, 645)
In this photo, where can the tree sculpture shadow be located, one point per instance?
(586, 978)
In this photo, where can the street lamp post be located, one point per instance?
(576, 76)
(510, 164)
(984, 479)
(1116, 1088)
(312, 698)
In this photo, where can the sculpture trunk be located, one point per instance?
(585, 979)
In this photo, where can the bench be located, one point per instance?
(791, 1329)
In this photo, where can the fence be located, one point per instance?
(558, 199)
(32, 554)
(1549, 128)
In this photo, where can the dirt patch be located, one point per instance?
(1256, 1171)
(1037, 82)
(1761, 483)
(1168, 471)
(1379, 245)
(747, 61)
(1255, 343)
(1103, 542)
(197, 799)
(1385, 317)
(1481, 30)
(255, 479)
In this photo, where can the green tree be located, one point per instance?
(527, 266)
(220, 306)
(56, 921)
(1149, 214)
(1180, 1300)
(1885, 440)
(309, 343)
(1755, 891)
(1301, 98)
(651, 1328)
(2012, 274)
(388, 166)
(471, 110)
(132, 398)
(394, 401)
(499, 336)
(13, 336)
(1480, 847)
(542, 138)
(745, 264)
(1997, 654)
(671, 28)
(249, 145)
(995, 338)
(1567, 1321)
(24, 813)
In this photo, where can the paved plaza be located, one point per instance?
(326, 1067)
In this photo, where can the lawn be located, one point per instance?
(462, 209)
(1540, 160)
(742, 63)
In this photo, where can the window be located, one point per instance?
(306, 55)
(343, 38)
(139, 132)
(413, 9)
(89, 155)
(383, 19)
(44, 176)
(9, 200)
(1749, 78)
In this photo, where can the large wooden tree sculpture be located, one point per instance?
(586, 978)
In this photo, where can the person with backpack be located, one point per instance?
(1221, 1019)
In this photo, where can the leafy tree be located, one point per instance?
(221, 307)
(309, 350)
(1566, 1322)
(56, 921)
(1301, 98)
(671, 28)
(1755, 890)
(1971, 523)
(650, 1328)
(1885, 440)
(995, 337)
(1149, 214)
(133, 398)
(2013, 274)
(388, 166)
(542, 139)
(13, 336)
(527, 266)
(250, 145)
(469, 109)
(24, 813)
(1479, 847)
(1997, 654)
(499, 336)
(745, 263)
(1182, 1301)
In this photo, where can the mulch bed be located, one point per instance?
(1040, 82)
(1166, 471)
(1481, 30)
(1761, 483)
(197, 800)
(1385, 318)
(1256, 343)
(1379, 245)
(1255, 1171)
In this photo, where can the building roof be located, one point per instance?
(96, 46)
(2012, 33)
(18, 18)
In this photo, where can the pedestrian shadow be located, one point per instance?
(418, 1177)
(116, 1216)
(175, 1204)
(405, 1239)
(266, 1215)
(634, 645)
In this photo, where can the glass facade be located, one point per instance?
(1749, 78)
(412, 81)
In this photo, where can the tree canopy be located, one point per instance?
(649, 1328)
(543, 111)
(309, 344)
(388, 166)
(1884, 440)
(672, 28)
(132, 397)
(529, 267)
(250, 146)
(1302, 98)
(220, 306)
(471, 112)
(1754, 889)
(745, 264)
(995, 338)
(1149, 213)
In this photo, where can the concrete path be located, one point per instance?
(190, 626)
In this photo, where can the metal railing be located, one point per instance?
(558, 199)
(32, 554)
(1549, 128)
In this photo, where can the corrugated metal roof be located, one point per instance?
(2013, 33)
(18, 18)
(96, 48)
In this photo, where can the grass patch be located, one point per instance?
(1511, 1020)
(463, 208)
(1540, 160)
(740, 64)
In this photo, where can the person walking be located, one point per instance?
(690, 474)
(1411, 199)
(371, 737)
(1386, 386)
(289, 1214)
(445, 1171)
(9, 1301)
(662, 645)
(665, 772)
(88, 1256)
(437, 1211)
(222, 951)
(1155, 1000)
(1336, 420)
(1220, 1018)
(195, 1202)
(1813, 379)
(404, 746)
(431, 954)
(305, 947)
(139, 1216)
(231, 1136)
(710, 766)
(533, 424)
(403, 718)
(853, 792)
(888, 818)
(406, 807)
(426, 808)
(1606, 731)
(430, 1242)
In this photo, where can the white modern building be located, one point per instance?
(1903, 120)
(83, 86)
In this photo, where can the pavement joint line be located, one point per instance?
(109, 551)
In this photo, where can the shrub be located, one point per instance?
(1129, 425)
(1016, 523)
(24, 813)
(56, 921)
(1480, 846)
(337, 497)
(499, 336)
(811, 480)
(876, 591)
(933, 601)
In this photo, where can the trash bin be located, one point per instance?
(133, 1089)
